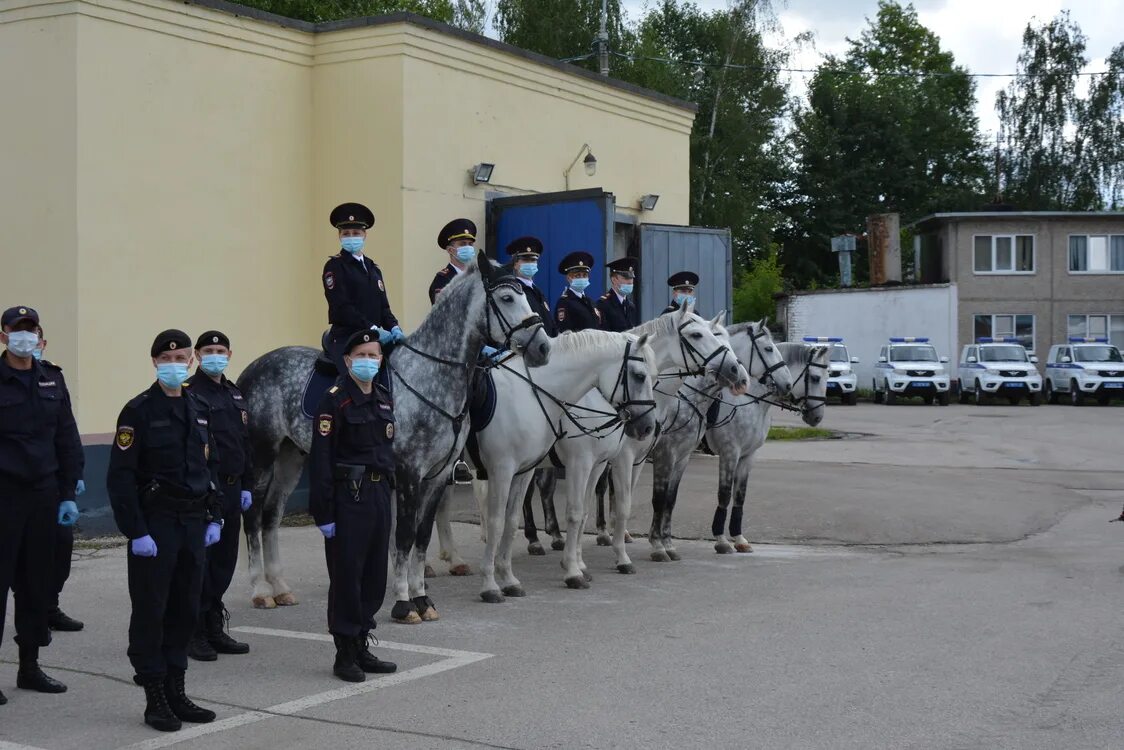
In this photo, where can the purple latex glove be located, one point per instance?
(145, 546)
(214, 531)
(247, 500)
(328, 530)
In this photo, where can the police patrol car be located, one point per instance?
(841, 379)
(1085, 366)
(909, 366)
(998, 367)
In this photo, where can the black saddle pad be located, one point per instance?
(318, 383)
(482, 400)
(712, 413)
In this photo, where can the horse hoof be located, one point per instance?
(430, 615)
(626, 569)
(410, 618)
(577, 582)
(660, 557)
(743, 548)
(491, 597)
(515, 591)
(558, 545)
(430, 572)
(264, 602)
(604, 540)
(460, 570)
(286, 600)
(673, 555)
(405, 613)
(627, 538)
(536, 549)
(587, 575)
(723, 548)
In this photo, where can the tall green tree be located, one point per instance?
(318, 11)
(890, 126)
(561, 29)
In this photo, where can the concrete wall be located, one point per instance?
(867, 318)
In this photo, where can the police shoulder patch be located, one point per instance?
(381, 287)
(389, 430)
(333, 389)
(124, 439)
(324, 425)
(245, 416)
(561, 314)
(597, 312)
(444, 271)
(329, 280)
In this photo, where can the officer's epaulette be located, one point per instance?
(333, 389)
(605, 295)
(187, 382)
(444, 271)
(48, 363)
(137, 399)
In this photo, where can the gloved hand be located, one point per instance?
(68, 513)
(247, 500)
(489, 351)
(328, 530)
(212, 534)
(385, 337)
(144, 546)
(80, 488)
(397, 335)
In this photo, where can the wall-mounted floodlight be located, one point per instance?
(648, 202)
(482, 173)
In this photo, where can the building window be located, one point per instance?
(1096, 253)
(1018, 326)
(1110, 327)
(1011, 253)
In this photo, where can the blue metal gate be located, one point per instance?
(666, 249)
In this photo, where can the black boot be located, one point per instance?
(3, 699)
(31, 677)
(157, 713)
(214, 621)
(367, 661)
(59, 620)
(180, 704)
(345, 667)
(200, 648)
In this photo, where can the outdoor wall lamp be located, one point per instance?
(589, 162)
(482, 173)
(648, 202)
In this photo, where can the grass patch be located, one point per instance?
(297, 519)
(780, 432)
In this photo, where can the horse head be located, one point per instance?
(810, 389)
(754, 346)
(632, 387)
(509, 321)
(701, 351)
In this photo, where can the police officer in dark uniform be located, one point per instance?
(161, 481)
(574, 310)
(353, 285)
(40, 462)
(230, 426)
(525, 253)
(350, 476)
(682, 289)
(457, 238)
(618, 311)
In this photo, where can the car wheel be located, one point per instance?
(1102, 400)
(1051, 394)
(891, 397)
(1034, 399)
(943, 398)
(877, 393)
(1013, 400)
(978, 395)
(850, 399)
(928, 400)
(1075, 396)
(964, 396)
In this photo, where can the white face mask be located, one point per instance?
(23, 343)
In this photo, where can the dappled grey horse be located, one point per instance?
(431, 378)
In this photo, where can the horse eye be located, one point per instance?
(508, 298)
(638, 377)
(696, 335)
(815, 378)
(768, 348)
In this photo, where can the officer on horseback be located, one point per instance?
(354, 287)
(525, 253)
(457, 238)
(682, 289)
(618, 311)
(575, 310)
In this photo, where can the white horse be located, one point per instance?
(741, 424)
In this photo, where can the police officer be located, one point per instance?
(525, 253)
(350, 476)
(40, 462)
(161, 486)
(457, 238)
(230, 426)
(682, 289)
(574, 310)
(64, 536)
(618, 311)
(353, 285)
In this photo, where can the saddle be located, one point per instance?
(320, 379)
(712, 413)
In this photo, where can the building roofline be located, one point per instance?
(441, 28)
(1016, 214)
(860, 289)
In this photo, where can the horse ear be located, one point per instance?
(717, 319)
(689, 306)
(642, 341)
(485, 265)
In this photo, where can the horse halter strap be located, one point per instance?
(508, 328)
(695, 361)
(808, 397)
(756, 353)
(622, 383)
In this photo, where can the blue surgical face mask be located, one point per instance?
(528, 270)
(364, 369)
(579, 285)
(171, 374)
(214, 364)
(38, 354)
(681, 297)
(626, 289)
(466, 253)
(353, 245)
(23, 343)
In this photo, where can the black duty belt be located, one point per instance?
(229, 478)
(355, 473)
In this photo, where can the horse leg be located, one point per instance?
(405, 529)
(449, 551)
(603, 539)
(621, 477)
(669, 508)
(499, 487)
(530, 531)
(480, 495)
(286, 474)
(741, 544)
(726, 465)
(547, 482)
(578, 472)
(431, 497)
(261, 593)
(659, 507)
(506, 579)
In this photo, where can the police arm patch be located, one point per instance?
(381, 287)
(324, 425)
(124, 439)
(389, 430)
(329, 280)
(561, 314)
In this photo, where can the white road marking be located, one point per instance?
(16, 746)
(453, 660)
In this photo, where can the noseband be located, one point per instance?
(509, 329)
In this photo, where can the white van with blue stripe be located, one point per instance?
(999, 367)
(909, 366)
(1085, 367)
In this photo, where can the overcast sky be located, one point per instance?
(984, 35)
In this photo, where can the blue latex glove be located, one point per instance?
(489, 351)
(80, 488)
(68, 513)
(397, 335)
(247, 500)
(385, 337)
(144, 547)
(214, 531)
(328, 530)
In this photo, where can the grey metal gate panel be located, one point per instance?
(667, 249)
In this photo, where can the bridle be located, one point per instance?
(509, 329)
(807, 398)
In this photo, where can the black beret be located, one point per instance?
(624, 266)
(14, 315)
(170, 340)
(358, 339)
(212, 338)
(457, 229)
(683, 278)
(352, 216)
(579, 260)
(524, 246)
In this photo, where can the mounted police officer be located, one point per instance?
(350, 478)
(161, 486)
(40, 464)
(230, 426)
(618, 311)
(682, 289)
(525, 253)
(575, 310)
(353, 285)
(457, 238)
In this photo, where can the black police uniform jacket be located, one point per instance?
(441, 280)
(617, 316)
(230, 427)
(351, 427)
(356, 294)
(39, 443)
(166, 440)
(539, 307)
(56, 370)
(575, 313)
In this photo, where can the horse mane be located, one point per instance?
(799, 353)
(656, 326)
(589, 340)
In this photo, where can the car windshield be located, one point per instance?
(839, 354)
(913, 353)
(1105, 353)
(1014, 353)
